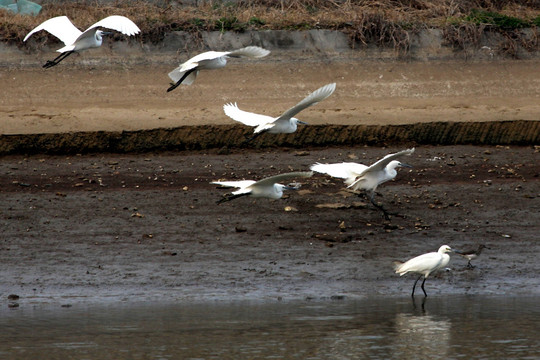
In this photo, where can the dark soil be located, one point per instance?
(140, 227)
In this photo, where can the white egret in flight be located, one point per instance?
(286, 123)
(424, 265)
(367, 178)
(187, 72)
(75, 40)
(472, 254)
(266, 188)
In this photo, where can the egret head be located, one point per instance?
(279, 190)
(100, 34)
(293, 186)
(392, 165)
(445, 249)
(400, 164)
(296, 121)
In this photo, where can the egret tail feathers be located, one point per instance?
(397, 267)
(187, 78)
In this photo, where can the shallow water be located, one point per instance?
(444, 328)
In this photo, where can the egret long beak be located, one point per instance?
(293, 186)
(457, 251)
(106, 32)
(302, 122)
(405, 165)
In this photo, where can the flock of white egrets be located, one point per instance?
(356, 176)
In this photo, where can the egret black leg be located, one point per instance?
(253, 137)
(424, 290)
(469, 265)
(386, 213)
(229, 197)
(414, 286)
(423, 304)
(380, 207)
(174, 86)
(59, 58)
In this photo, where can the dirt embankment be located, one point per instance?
(114, 108)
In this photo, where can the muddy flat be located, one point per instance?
(108, 227)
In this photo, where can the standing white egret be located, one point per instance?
(367, 178)
(424, 265)
(187, 72)
(472, 254)
(267, 188)
(75, 40)
(283, 124)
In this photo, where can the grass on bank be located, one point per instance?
(383, 23)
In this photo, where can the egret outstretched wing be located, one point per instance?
(342, 170)
(242, 185)
(246, 118)
(59, 26)
(312, 99)
(205, 56)
(119, 23)
(277, 178)
(250, 51)
(381, 164)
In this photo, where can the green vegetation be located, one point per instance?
(256, 22)
(229, 23)
(495, 19)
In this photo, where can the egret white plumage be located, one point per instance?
(188, 71)
(76, 40)
(266, 188)
(286, 123)
(367, 178)
(424, 265)
(472, 254)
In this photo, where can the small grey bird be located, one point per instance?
(472, 254)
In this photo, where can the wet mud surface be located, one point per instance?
(133, 227)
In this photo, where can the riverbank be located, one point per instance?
(90, 106)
